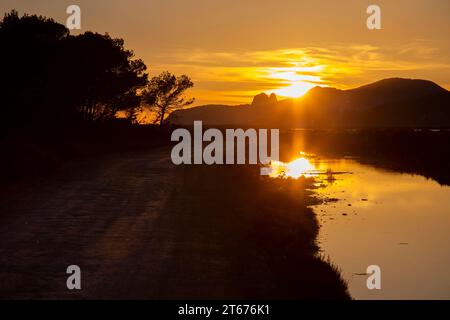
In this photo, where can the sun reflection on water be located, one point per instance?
(300, 167)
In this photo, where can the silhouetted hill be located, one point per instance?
(392, 90)
(393, 102)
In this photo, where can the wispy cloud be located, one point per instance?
(235, 76)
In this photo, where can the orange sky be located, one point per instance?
(234, 49)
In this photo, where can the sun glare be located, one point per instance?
(295, 90)
(294, 169)
(294, 83)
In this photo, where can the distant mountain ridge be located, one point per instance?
(393, 102)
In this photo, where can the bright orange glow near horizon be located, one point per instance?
(236, 50)
(296, 82)
(295, 90)
(236, 77)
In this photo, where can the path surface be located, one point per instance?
(103, 215)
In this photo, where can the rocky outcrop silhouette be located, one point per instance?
(263, 99)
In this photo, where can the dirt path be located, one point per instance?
(103, 215)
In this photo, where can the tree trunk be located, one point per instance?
(161, 117)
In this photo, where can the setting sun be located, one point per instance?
(295, 90)
(295, 82)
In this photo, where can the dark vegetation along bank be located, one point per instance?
(258, 233)
(31, 155)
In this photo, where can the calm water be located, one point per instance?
(397, 221)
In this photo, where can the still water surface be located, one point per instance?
(371, 216)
